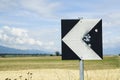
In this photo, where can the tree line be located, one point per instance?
(57, 53)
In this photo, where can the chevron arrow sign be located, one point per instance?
(81, 39)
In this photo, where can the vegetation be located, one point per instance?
(23, 55)
(57, 53)
(20, 77)
(109, 62)
(53, 68)
(55, 62)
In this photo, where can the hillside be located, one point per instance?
(7, 50)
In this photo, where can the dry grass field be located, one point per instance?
(60, 74)
(53, 68)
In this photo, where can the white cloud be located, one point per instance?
(16, 36)
(39, 43)
(15, 31)
(41, 7)
(49, 36)
(51, 43)
(20, 39)
(6, 5)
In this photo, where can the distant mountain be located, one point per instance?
(7, 50)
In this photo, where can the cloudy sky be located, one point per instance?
(36, 24)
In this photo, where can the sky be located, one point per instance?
(36, 24)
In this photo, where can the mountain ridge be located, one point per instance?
(8, 50)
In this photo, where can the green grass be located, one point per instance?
(54, 62)
(109, 62)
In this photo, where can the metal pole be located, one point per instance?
(81, 69)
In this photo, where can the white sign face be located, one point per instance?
(78, 39)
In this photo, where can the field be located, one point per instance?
(53, 68)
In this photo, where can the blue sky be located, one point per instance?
(36, 24)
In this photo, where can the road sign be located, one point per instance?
(81, 39)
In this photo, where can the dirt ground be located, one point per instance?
(59, 74)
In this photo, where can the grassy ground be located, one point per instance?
(60, 74)
(54, 62)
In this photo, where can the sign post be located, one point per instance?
(81, 69)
